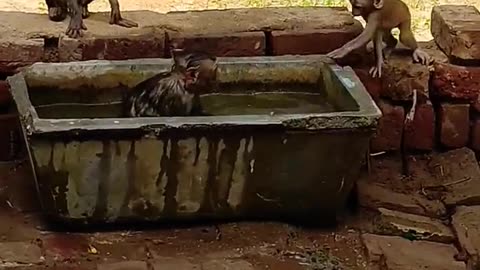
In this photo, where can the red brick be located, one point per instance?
(10, 137)
(458, 82)
(390, 127)
(454, 122)
(232, 44)
(373, 85)
(130, 265)
(317, 41)
(20, 53)
(420, 134)
(401, 76)
(112, 48)
(455, 30)
(475, 135)
(5, 97)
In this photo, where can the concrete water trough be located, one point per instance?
(287, 140)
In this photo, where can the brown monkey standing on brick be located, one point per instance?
(78, 10)
(175, 92)
(381, 17)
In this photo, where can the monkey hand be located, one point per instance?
(75, 28)
(338, 53)
(116, 18)
(422, 57)
(376, 71)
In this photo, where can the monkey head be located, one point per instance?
(200, 69)
(362, 7)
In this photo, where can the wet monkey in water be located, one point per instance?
(175, 92)
(381, 17)
(78, 10)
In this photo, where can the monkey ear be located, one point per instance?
(378, 4)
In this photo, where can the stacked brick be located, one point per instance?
(448, 115)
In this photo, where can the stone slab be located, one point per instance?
(396, 253)
(466, 223)
(20, 252)
(418, 227)
(374, 196)
(456, 176)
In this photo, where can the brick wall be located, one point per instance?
(448, 114)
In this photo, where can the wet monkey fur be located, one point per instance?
(381, 17)
(175, 92)
(78, 10)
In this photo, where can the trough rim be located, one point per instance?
(366, 116)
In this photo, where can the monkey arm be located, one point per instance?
(362, 39)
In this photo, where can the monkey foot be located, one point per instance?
(57, 14)
(115, 18)
(422, 57)
(75, 28)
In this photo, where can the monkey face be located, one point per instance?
(360, 7)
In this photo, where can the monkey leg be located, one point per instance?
(391, 43)
(85, 12)
(116, 18)
(408, 39)
(57, 10)
(76, 25)
(376, 71)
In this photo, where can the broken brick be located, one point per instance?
(456, 82)
(231, 44)
(390, 128)
(455, 176)
(420, 134)
(14, 55)
(401, 76)
(455, 30)
(454, 122)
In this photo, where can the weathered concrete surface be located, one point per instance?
(414, 227)
(20, 252)
(466, 223)
(456, 31)
(455, 175)
(374, 196)
(395, 253)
